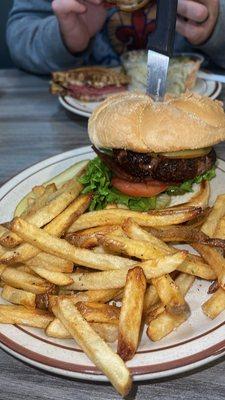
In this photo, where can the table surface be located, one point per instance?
(33, 127)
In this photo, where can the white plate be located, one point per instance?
(195, 343)
(204, 87)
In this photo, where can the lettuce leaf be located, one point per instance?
(97, 179)
(186, 186)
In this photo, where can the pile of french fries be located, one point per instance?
(99, 277)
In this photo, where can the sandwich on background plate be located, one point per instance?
(182, 72)
(89, 83)
(153, 155)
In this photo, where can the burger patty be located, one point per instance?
(144, 166)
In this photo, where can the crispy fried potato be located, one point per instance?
(215, 304)
(117, 278)
(61, 199)
(185, 234)
(61, 248)
(101, 296)
(196, 266)
(134, 231)
(192, 265)
(57, 227)
(118, 217)
(88, 237)
(131, 313)
(17, 296)
(215, 260)
(107, 332)
(133, 248)
(217, 212)
(41, 198)
(183, 282)
(220, 229)
(51, 263)
(95, 348)
(24, 316)
(22, 280)
(57, 278)
(170, 294)
(151, 298)
(99, 312)
(164, 324)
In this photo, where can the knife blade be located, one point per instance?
(160, 48)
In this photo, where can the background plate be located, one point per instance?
(204, 87)
(195, 343)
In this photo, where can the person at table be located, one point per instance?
(45, 35)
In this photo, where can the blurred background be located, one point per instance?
(5, 61)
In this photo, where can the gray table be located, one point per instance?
(33, 126)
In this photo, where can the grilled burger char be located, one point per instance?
(142, 167)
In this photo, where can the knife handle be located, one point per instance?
(162, 38)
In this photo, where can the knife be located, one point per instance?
(160, 45)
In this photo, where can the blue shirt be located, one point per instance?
(36, 45)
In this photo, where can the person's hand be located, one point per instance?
(79, 21)
(197, 19)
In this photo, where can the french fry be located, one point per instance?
(185, 234)
(95, 348)
(215, 304)
(164, 324)
(170, 294)
(61, 248)
(25, 268)
(133, 248)
(134, 231)
(101, 296)
(131, 313)
(117, 278)
(217, 212)
(11, 314)
(195, 265)
(214, 259)
(23, 280)
(220, 229)
(44, 215)
(151, 298)
(99, 312)
(17, 296)
(192, 264)
(107, 332)
(183, 282)
(41, 198)
(118, 217)
(51, 263)
(57, 227)
(88, 238)
(57, 278)
(2, 267)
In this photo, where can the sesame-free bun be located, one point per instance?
(135, 122)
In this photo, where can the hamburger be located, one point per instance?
(89, 83)
(149, 153)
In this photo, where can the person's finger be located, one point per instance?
(192, 10)
(67, 7)
(190, 30)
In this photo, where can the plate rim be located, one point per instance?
(211, 353)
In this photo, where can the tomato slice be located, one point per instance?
(147, 189)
